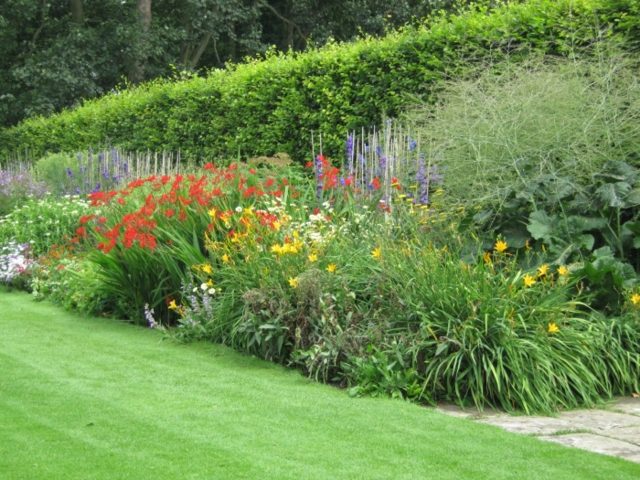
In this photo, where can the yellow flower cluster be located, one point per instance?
(284, 248)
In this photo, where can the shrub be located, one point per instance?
(273, 105)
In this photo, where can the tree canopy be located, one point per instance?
(54, 53)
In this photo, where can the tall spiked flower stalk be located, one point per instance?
(379, 165)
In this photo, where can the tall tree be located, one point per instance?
(77, 11)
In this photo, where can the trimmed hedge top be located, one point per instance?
(273, 104)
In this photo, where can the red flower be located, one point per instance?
(375, 183)
(86, 218)
(169, 212)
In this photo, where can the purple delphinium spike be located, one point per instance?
(423, 183)
(318, 168)
(382, 165)
(412, 145)
(349, 146)
(69, 172)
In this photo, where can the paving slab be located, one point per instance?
(612, 430)
(628, 434)
(630, 406)
(598, 420)
(598, 444)
(529, 425)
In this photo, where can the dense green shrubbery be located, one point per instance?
(273, 105)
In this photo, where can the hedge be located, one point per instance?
(273, 104)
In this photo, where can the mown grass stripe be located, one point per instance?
(96, 398)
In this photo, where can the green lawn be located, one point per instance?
(90, 398)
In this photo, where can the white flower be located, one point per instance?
(204, 287)
(239, 209)
(212, 291)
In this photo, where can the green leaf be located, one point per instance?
(613, 194)
(541, 225)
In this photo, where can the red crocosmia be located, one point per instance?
(348, 181)
(169, 212)
(209, 166)
(182, 216)
(122, 201)
(136, 183)
(269, 182)
(185, 201)
(309, 164)
(81, 232)
(395, 183)
(375, 183)
(216, 192)
(277, 193)
(102, 220)
(316, 211)
(249, 192)
(85, 219)
(130, 235)
(252, 171)
(147, 240)
(101, 198)
(165, 179)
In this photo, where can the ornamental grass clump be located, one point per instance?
(482, 334)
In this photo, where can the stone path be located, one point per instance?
(611, 430)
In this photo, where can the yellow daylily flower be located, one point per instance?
(332, 267)
(553, 328)
(500, 246)
(543, 270)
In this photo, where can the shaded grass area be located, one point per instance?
(95, 398)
